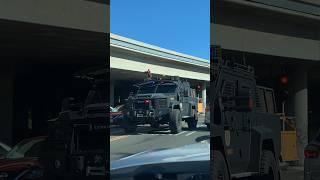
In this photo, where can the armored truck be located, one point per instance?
(161, 101)
(76, 142)
(245, 130)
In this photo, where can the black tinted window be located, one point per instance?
(146, 89)
(166, 88)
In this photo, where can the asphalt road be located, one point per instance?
(146, 138)
(292, 173)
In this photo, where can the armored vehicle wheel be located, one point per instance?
(269, 167)
(192, 123)
(219, 168)
(128, 126)
(175, 121)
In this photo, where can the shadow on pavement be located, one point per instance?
(203, 138)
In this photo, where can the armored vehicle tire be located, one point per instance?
(269, 167)
(219, 168)
(192, 123)
(175, 121)
(128, 126)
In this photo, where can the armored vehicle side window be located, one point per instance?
(228, 90)
(270, 101)
(260, 101)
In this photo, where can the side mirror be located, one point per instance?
(242, 103)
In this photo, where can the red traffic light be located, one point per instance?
(284, 80)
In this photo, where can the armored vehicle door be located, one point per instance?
(236, 124)
(186, 100)
(231, 135)
(245, 87)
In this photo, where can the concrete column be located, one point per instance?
(6, 103)
(111, 93)
(300, 88)
(204, 95)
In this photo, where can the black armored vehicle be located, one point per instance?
(161, 101)
(245, 130)
(77, 139)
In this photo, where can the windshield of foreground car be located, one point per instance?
(25, 148)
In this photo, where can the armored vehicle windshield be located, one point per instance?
(157, 88)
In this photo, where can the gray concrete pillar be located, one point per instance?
(112, 94)
(300, 88)
(6, 103)
(204, 95)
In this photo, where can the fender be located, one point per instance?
(258, 135)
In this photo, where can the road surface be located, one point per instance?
(146, 138)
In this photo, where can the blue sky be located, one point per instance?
(179, 25)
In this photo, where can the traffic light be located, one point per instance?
(284, 82)
(198, 88)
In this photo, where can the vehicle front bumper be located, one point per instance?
(140, 116)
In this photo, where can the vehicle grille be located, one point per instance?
(161, 103)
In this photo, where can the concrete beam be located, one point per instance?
(301, 109)
(132, 65)
(84, 14)
(240, 39)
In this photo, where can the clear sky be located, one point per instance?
(179, 25)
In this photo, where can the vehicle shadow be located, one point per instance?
(203, 138)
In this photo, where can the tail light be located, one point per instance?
(311, 154)
(147, 101)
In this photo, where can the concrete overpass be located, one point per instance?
(276, 37)
(43, 43)
(129, 59)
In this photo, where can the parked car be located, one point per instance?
(4, 149)
(22, 161)
(312, 159)
(116, 114)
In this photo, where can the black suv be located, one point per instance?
(161, 101)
